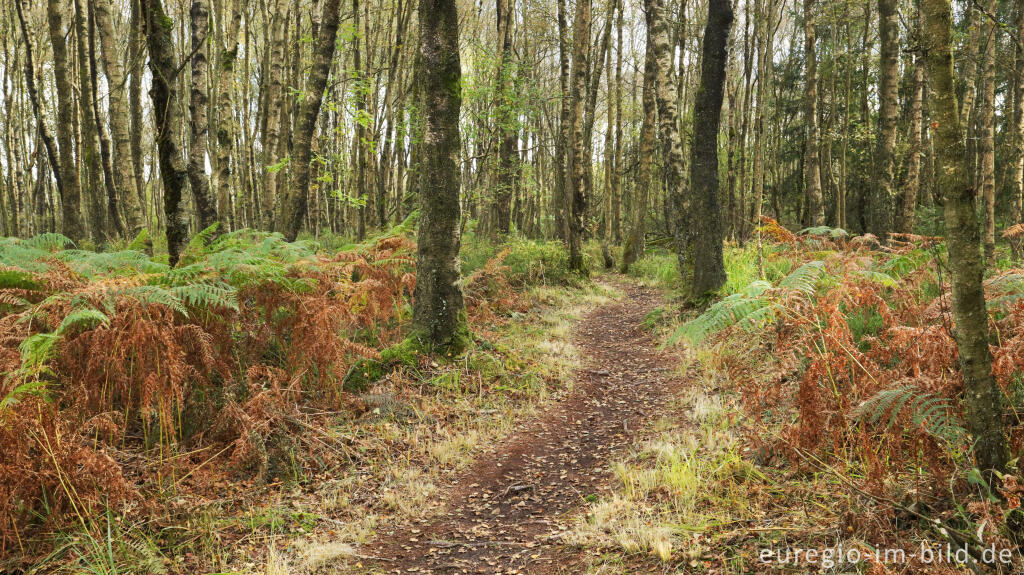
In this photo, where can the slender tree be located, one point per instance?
(635, 245)
(880, 196)
(812, 163)
(294, 211)
(982, 396)
(198, 103)
(671, 142)
(120, 119)
(71, 190)
(576, 181)
(164, 93)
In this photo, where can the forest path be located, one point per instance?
(507, 512)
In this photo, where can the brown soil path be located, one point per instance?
(506, 513)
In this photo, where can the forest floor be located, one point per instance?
(510, 511)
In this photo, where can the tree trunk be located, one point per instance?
(616, 190)
(576, 185)
(560, 198)
(812, 163)
(164, 93)
(294, 208)
(708, 262)
(987, 137)
(198, 104)
(89, 148)
(506, 121)
(913, 185)
(71, 190)
(37, 105)
(225, 113)
(439, 315)
(1018, 122)
(982, 396)
(880, 198)
(268, 200)
(120, 120)
(672, 150)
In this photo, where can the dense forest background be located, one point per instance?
(847, 99)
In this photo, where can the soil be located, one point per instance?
(507, 513)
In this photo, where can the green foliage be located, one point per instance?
(824, 231)
(863, 322)
(902, 264)
(658, 267)
(20, 391)
(141, 241)
(36, 351)
(749, 308)
(525, 262)
(50, 242)
(86, 318)
(928, 411)
(804, 278)
(880, 278)
(93, 265)
(752, 308)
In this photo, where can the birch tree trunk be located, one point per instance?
(120, 120)
(576, 185)
(982, 396)
(295, 206)
(71, 196)
(198, 103)
(987, 136)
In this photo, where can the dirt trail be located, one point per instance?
(505, 514)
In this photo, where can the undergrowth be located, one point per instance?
(848, 404)
(129, 385)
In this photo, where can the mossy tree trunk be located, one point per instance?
(708, 262)
(71, 188)
(576, 186)
(198, 103)
(981, 394)
(439, 315)
(164, 93)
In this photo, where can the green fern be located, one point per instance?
(934, 413)
(36, 351)
(86, 318)
(141, 242)
(19, 392)
(880, 278)
(207, 295)
(94, 265)
(149, 295)
(804, 278)
(903, 264)
(752, 308)
(834, 233)
(747, 306)
(50, 242)
(13, 278)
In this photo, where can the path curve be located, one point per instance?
(504, 515)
